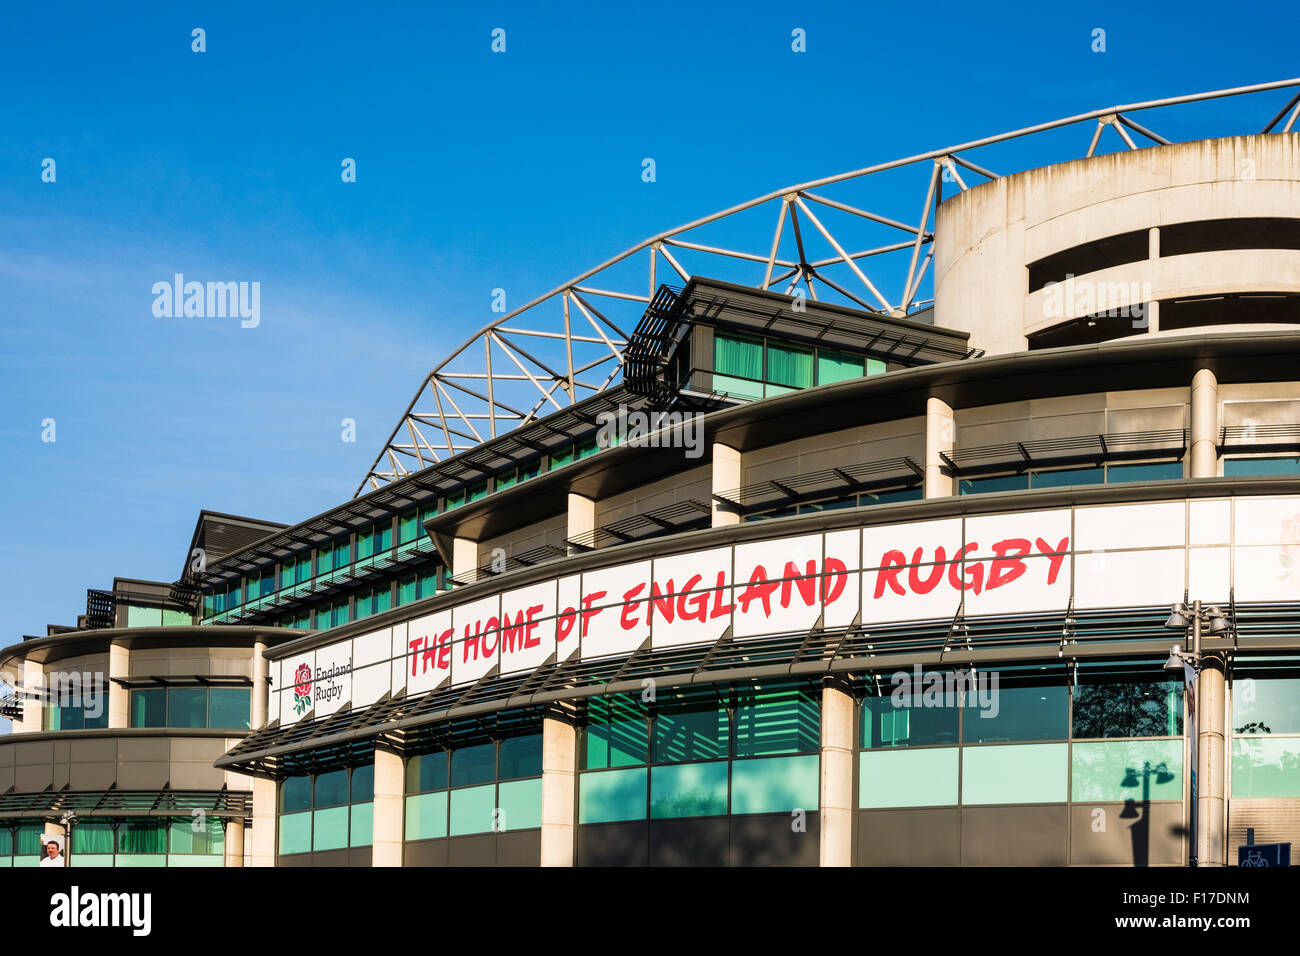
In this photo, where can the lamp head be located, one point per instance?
(1175, 662)
(1177, 617)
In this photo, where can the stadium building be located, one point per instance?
(771, 567)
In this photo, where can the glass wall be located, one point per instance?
(487, 787)
(1266, 728)
(1062, 477)
(327, 811)
(754, 367)
(21, 843)
(223, 708)
(695, 752)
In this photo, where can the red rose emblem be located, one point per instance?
(302, 680)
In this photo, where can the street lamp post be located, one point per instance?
(1190, 665)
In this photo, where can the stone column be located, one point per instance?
(1153, 257)
(32, 679)
(390, 809)
(837, 775)
(1205, 425)
(233, 854)
(582, 518)
(559, 808)
(1211, 785)
(260, 690)
(264, 822)
(940, 435)
(118, 703)
(464, 558)
(726, 477)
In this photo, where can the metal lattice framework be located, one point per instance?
(567, 344)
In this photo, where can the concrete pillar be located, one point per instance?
(32, 680)
(1205, 425)
(233, 852)
(726, 477)
(1153, 308)
(264, 822)
(119, 668)
(582, 518)
(837, 775)
(464, 558)
(260, 690)
(390, 809)
(559, 807)
(940, 435)
(1211, 786)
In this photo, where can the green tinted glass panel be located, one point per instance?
(837, 366)
(1069, 476)
(127, 860)
(324, 559)
(195, 835)
(331, 788)
(1160, 471)
(1138, 706)
(876, 367)
(406, 591)
(427, 772)
(1009, 712)
(738, 363)
(688, 790)
(520, 802)
(777, 720)
(143, 616)
(330, 828)
(365, 545)
(426, 816)
(363, 783)
(6, 842)
(775, 784)
(789, 366)
(383, 599)
(1266, 705)
(92, 860)
(229, 707)
(885, 497)
(92, 836)
(28, 839)
(472, 810)
(612, 795)
(142, 836)
(907, 778)
(471, 765)
(180, 618)
(885, 725)
(295, 794)
(979, 486)
(689, 726)
(1127, 770)
(187, 707)
(149, 708)
(521, 757)
(383, 538)
(1261, 466)
(616, 734)
(295, 833)
(363, 823)
(408, 528)
(1266, 767)
(1019, 773)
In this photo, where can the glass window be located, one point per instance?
(149, 707)
(979, 486)
(789, 365)
(363, 783)
(738, 365)
(690, 725)
(1133, 704)
(330, 828)
(406, 590)
(835, 366)
(196, 835)
(885, 497)
(775, 784)
(295, 794)
(1068, 476)
(229, 707)
(472, 810)
(1160, 471)
(521, 757)
(187, 707)
(331, 788)
(1266, 767)
(362, 822)
(365, 544)
(143, 616)
(92, 836)
(1017, 773)
(427, 772)
(777, 720)
(408, 528)
(520, 805)
(471, 765)
(295, 833)
(688, 790)
(908, 778)
(383, 599)
(383, 537)
(426, 816)
(876, 367)
(142, 836)
(1127, 770)
(612, 795)
(1012, 711)
(428, 584)
(889, 721)
(325, 558)
(616, 733)
(1266, 705)
(304, 568)
(1261, 466)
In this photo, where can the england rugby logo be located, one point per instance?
(302, 689)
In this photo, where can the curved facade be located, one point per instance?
(814, 585)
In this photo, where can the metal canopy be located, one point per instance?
(127, 803)
(869, 245)
(845, 480)
(1079, 449)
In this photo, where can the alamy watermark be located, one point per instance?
(975, 689)
(641, 429)
(1086, 297)
(212, 300)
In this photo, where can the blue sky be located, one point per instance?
(475, 171)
